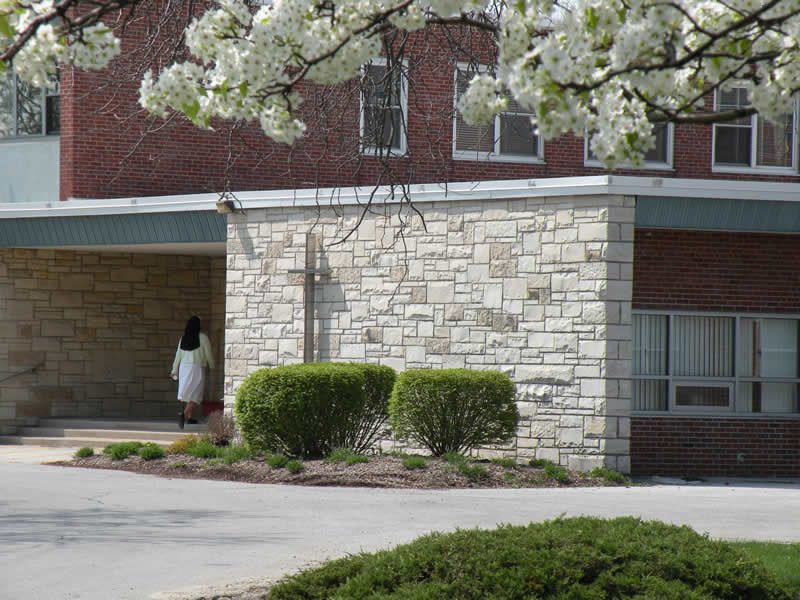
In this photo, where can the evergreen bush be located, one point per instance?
(453, 410)
(579, 558)
(307, 410)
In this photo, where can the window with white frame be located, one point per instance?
(509, 137)
(26, 110)
(707, 363)
(658, 157)
(384, 101)
(752, 142)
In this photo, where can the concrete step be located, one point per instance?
(115, 434)
(97, 433)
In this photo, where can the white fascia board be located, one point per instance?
(428, 192)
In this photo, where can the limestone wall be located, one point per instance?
(104, 326)
(538, 288)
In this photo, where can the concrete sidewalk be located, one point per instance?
(35, 455)
(94, 535)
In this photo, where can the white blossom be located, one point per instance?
(599, 66)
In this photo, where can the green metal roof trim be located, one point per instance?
(722, 214)
(151, 228)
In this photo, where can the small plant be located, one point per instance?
(211, 462)
(508, 463)
(346, 456)
(182, 444)
(472, 471)
(294, 466)
(235, 453)
(415, 462)
(122, 450)
(463, 465)
(178, 465)
(276, 461)
(556, 473)
(539, 463)
(150, 451)
(611, 476)
(221, 428)
(203, 448)
(84, 452)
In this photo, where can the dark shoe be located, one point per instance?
(181, 419)
(191, 422)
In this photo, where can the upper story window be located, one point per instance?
(752, 142)
(508, 138)
(26, 110)
(384, 102)
(658, 157)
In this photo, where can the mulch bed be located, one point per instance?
(380, 472)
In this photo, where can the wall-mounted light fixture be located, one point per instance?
(226, 207)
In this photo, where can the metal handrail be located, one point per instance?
(22, 372)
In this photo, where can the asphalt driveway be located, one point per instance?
(94, 535)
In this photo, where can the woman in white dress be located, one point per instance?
(189, 368)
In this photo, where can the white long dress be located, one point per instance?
(190, 368)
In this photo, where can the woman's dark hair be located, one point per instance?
(191, 335)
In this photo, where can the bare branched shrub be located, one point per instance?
(221, 428)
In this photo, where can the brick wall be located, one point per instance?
(715, 446)
(105, 326)
(537, 288)
(716, 271)
(110, 148)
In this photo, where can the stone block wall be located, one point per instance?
(104, 328)
(538, 288)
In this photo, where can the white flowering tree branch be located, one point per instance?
(612, 67)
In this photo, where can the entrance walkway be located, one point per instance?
(64, 530)
(34, 455)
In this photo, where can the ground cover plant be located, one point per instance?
(194, 456)
(576, 558)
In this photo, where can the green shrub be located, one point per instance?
(150, 451)
(578, 558)
(276, 461)
(307, 410)
(556, 473)
(539, 462)
(346, 456)
(608, 475)
(453, 410)
(294, 466)
(84, 452)
(415, 462)
(122, 450)
(508, 463)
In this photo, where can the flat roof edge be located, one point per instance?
(425, 192)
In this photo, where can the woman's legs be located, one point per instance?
(187, 411)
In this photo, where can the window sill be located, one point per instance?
(648, 166)
(782, 171)
(714, 415)
(384, 152)
(497, 158)
(29, 138)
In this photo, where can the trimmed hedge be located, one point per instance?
(570, 559)
(308, 410)
(453, 410)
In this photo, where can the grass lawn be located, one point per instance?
(784, 559)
